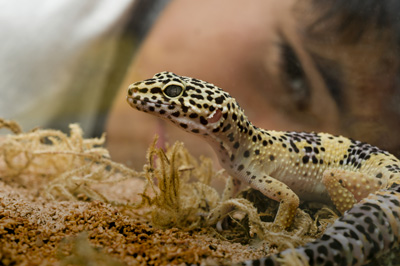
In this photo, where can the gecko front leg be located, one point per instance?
(273, 189)
(277, 190)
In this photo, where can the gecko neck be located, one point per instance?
(236, 141)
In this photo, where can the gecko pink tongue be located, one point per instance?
(215, 117)
(161, 132)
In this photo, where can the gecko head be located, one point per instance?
(194, 105)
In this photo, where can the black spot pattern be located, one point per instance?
(358, 152)
(231, 137)
(310, 138)
(203, 120)
(310, 151)
(219, 99)
(226, 128)
(394, 168)
(156, 90)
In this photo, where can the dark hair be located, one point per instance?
(347, 15)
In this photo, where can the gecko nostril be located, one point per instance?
(132, 90)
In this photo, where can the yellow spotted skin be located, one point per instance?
(284, 166)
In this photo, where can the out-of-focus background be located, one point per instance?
(305, 65)
(63, 61)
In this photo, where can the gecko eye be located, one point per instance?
(173, 90)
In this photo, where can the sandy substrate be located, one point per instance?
(38, 231)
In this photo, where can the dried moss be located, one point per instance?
(66, 165)
(181, 195)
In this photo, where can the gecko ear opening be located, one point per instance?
(215, 117)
